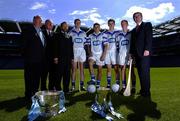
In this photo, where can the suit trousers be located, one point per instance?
(64, 70)
(32, 75)
(53, 75)
(143, 67)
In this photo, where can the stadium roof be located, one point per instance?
(10, 26)
(166, 28)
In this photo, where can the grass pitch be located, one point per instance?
(163, 106)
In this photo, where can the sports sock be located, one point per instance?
(109, 80)
(98, 83)
(118, 82)
(82, 83)
(73, 83)
(124, 83)
(92, 77)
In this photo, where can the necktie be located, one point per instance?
(49, 33)
(66, 35)
(41, 36)
(137, 28)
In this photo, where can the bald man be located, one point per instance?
(34, 56)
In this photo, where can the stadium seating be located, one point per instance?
(165, 45)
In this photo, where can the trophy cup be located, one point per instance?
(49, 102)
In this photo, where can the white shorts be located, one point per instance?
(122, 59)
(96, 58)
(111, 57)
(79, 55)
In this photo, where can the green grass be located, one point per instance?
(163, 106)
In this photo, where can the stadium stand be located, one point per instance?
(166, 43)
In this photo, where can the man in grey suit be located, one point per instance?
(50, 69)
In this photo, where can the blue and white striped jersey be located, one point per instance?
(111, 37)
(97, 41)
(78, 38)
(123, 40)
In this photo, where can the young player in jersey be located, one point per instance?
(78, 38)
(111, 56)
(123, 40)
(97, 42)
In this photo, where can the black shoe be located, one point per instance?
(122, 90)
(97, 87)
(72, 89)
(118, 82)
(133, 91)
(44, 89)
(108, 86)
(82, 88)
(68, 93)
(140, 93)
(27, 98)
(146, 94)
(93, 82)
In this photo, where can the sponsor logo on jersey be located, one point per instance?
(124, 42)
(96, 43)
(112, 40)
(78, 40)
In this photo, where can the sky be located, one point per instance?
(90, 11)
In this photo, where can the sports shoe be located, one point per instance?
(122, 90)
(93, 81)
(108, 86)
(97, 87)
(72, 89)
(82, 88)
(118, 82)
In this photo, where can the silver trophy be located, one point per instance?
(100, 109)
(105, 107)
(49, 102)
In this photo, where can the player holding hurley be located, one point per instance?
(123, 40)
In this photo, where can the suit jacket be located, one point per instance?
(63, 47)
(34, 51)
(141, 39)
(49, 44)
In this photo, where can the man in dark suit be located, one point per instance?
(141, 42)
(34, 56)
(63, 57)
(51, 67)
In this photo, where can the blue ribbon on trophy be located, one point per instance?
(112, 111)
(111, 108)
(100, 110)
(62, 108)
(104, 108)
(35, 109)
(38, 103)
